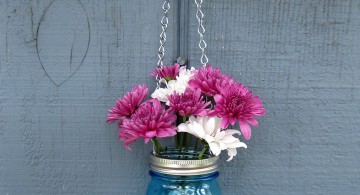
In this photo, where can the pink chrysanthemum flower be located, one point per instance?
(210, 80)
(189, 103)
(167, 72)
(236, 102)
(150, 120)
(126, 106)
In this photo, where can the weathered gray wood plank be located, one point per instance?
(56, 87)
(302, 58)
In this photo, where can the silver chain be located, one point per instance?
(201, 31)
(164, 24)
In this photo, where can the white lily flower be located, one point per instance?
(179, 85)
(209, 129)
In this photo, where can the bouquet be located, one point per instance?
(197, 107)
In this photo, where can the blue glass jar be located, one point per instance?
(163, 184)
(173, 176)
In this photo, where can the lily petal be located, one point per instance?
(231, 152)
(209, 139)
(229, 139)
(199, 130)
(220, 134)
(237, 145)
(232, 132)
(223, 146)
(210, 125)
(183, 127)
(215, 148)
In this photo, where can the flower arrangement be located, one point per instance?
(198, 108)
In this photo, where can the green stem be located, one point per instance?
(187, 141)
(158, 147)
(184, 118)
(177, 136)
(196, 144)
(203, 151)
(177, 140)
(181, 141)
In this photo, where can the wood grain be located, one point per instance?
(69, 36)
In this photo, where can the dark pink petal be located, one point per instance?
(166, 72)
(147, 139)
(112, 117)
(182, 113)
(190, 103)
(164, 134)
(202, 113)
(224, 123)
(205, 85)
(253, 122)
(150, 133)
(153, 73)
(235, 102)
(211, 113)
(245, 129)
(149, 120)
(128, 139)
(232, 120)
(125, 106)
(209, 80)
(217, 98)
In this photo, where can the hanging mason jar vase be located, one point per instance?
(196, 107)
(174, 173)
(188, 171)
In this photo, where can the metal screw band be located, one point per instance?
(183, 167)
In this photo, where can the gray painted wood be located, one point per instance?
(64, 63)
(302, 58)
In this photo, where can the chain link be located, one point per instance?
(164, 24)
(201, 31)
